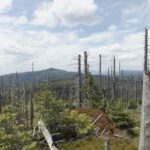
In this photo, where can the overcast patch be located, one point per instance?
(66, 13)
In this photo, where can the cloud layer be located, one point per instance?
(66, 13)
(53, 33)
(5, 5)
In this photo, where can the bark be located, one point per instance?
(100, 73)
(25, 106)
(146, 51)
(31, 113)
(114, 79)
(18, 98)
(9, 91)
(145, 116)
(79, 82)
(86, 103)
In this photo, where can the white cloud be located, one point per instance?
(136, 14)
(22, 43)
(66, 13)
(45, 15)
(112, 27)
(57, 50)
(22, 20)
(7, 20)
(5, 5)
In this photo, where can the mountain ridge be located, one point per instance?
(53, 75)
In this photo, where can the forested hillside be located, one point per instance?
(48, 74)
(75, 108)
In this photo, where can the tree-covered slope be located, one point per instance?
(52, 74)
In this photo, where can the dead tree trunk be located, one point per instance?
(114, 79)
(9, 92)
(107, 144)
(119, 81)
(131, 86)
(25, 106)
(18, 98)
(33, 80)
(31, 98)
(1, 95)
(31, 113)
(119, 69)
(85, 67)
(100, 73)
(79, 81)
(108, 79)
(146, 51)
(47, 135)
(122, 79)
(86, 78)
(127, 93)
(145, 121)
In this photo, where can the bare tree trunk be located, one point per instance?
(119, 69)
(100, 73)
(108, 79)
(2, 85)
(127, 97)
(85, 67)
(131, 87)
(146, 51)
(107, 144)
(31, 113)
(33, 80)
(114, 79)
(1, 95)
(9, 92)
(79, 82)
(31, 98)
(145, 121)
(18, 98)
(25, 106)
(122, 79)
(86, 78)
(47, 135)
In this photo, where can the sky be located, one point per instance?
(52, 33)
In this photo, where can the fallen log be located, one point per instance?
(96, 120)
(47, 135)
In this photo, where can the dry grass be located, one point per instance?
(99, 144)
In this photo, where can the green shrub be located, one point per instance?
(76, 125)
(120, 117)
(133, 132)
(132, 105)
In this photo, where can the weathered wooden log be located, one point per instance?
(47, 135)
(102, 133)
(96, 120)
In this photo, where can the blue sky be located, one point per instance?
(52, 33)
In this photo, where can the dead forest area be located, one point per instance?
(87, 112)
